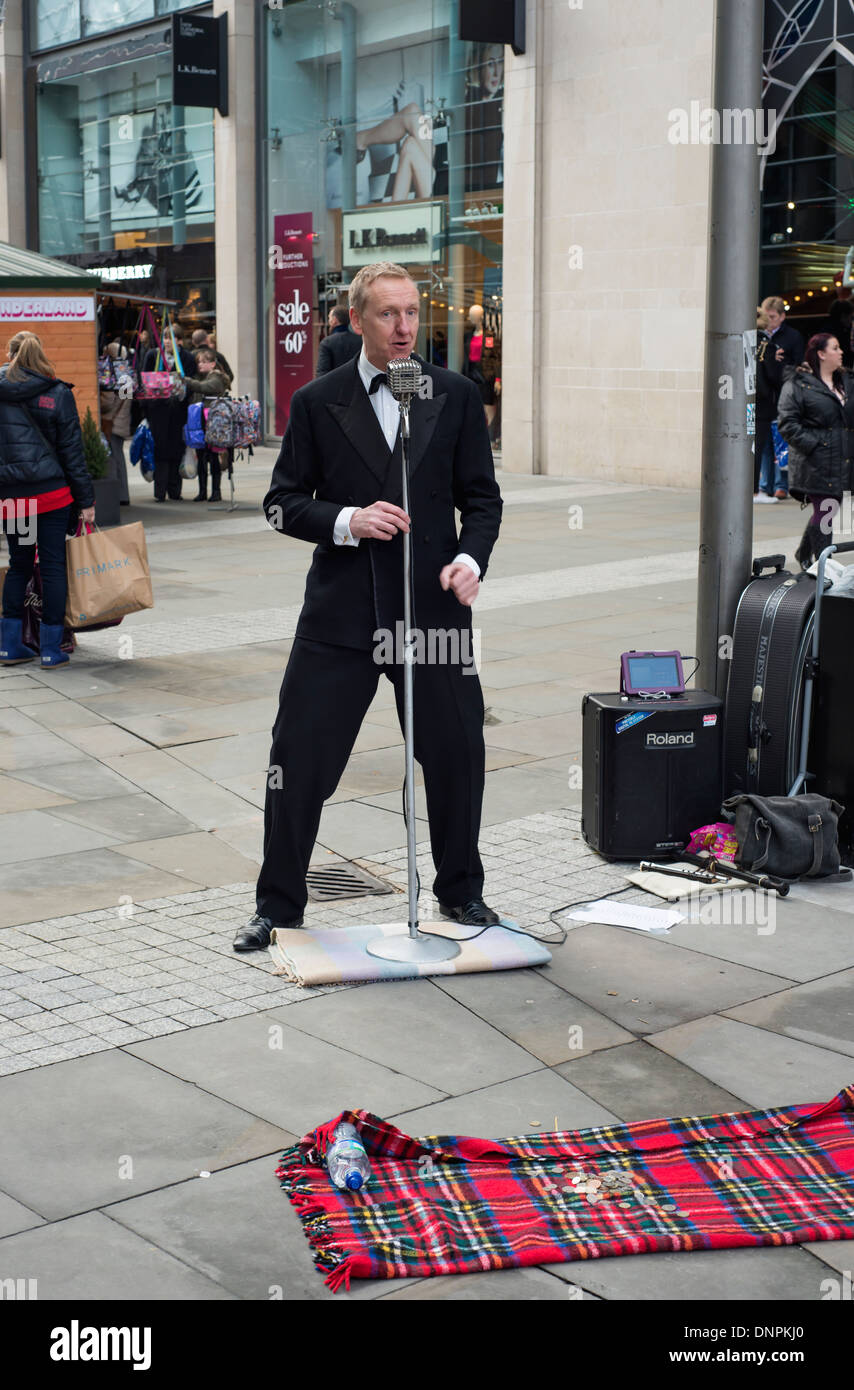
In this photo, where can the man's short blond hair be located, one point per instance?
(364, 278)
(775, 303)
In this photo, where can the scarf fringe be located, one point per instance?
(328, 1258)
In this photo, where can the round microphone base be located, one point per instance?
(422, 949)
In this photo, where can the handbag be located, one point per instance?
(159, 384)
(31, 625)
(787, 836)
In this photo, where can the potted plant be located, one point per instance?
(98, 464)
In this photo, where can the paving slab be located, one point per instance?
(544, 738)
(221, 758)
(78, 781)
(95, 878)
(18, 752)
(551, 698)
(198, 856)
(206, 721)
(126, 818)
(56, 715)
(102, 1128)
(354, 829)
(838, 1254)
(36, 835)
(14, 723)
(141, 700)
(647, 985)
(642, 1083)
(14, 1216)
(238, 1229)
(499, 1285)
(821, 1012)
(16, 796)
(180, 787)
(781, 1071)
(92, 1258)
(798, 939)
(508, 1108)
(550, 1024)
(416, 1028)
(282, 1074)
(696, 1276)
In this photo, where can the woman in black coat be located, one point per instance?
(42, 472)
(167, 417)
(815, 416)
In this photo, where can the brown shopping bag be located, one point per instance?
(108, 575)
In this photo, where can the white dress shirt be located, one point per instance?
(387, 412)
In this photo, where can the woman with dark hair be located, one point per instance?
(42, 471)
(815, 416)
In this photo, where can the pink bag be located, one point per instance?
(154, 386)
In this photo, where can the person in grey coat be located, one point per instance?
(815, 416)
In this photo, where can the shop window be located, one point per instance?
(99, 16)
(57, 22)
(54, 22)
(384, 138)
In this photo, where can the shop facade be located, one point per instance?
(122, 180)
(808, 174)
(382, 138)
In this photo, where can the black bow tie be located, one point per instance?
(376, 382)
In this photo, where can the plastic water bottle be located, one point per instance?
(346, 1159)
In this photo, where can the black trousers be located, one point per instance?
(324, 697)
(208, 459)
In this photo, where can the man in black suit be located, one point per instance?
(337, 483)
(340, 343)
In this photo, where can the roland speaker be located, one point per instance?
(651, 772)
(494, 21)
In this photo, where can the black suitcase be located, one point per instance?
(651, 772)
(764, 700)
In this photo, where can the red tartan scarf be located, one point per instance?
(454, 1205)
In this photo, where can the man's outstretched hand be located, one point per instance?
(381, 521)
(462, 580)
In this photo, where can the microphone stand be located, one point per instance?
(404, 376)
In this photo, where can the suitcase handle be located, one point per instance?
(775, 562)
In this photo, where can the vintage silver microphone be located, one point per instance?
(404, 378)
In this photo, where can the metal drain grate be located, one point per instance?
(327, 881)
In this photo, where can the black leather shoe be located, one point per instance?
(256, 936)
(473, 914)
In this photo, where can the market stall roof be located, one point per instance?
(21, 269)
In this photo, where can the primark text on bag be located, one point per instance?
(108, 575)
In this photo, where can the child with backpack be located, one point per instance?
(209, 382)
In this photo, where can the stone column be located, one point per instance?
(12, 162)
(235, 174)
(520, 328)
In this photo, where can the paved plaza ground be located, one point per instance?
(144, 1107)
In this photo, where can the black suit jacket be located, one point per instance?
(334, 455)
(792, 343)
(336, 349)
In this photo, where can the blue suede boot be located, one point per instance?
(51, 637)
(12, 649)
